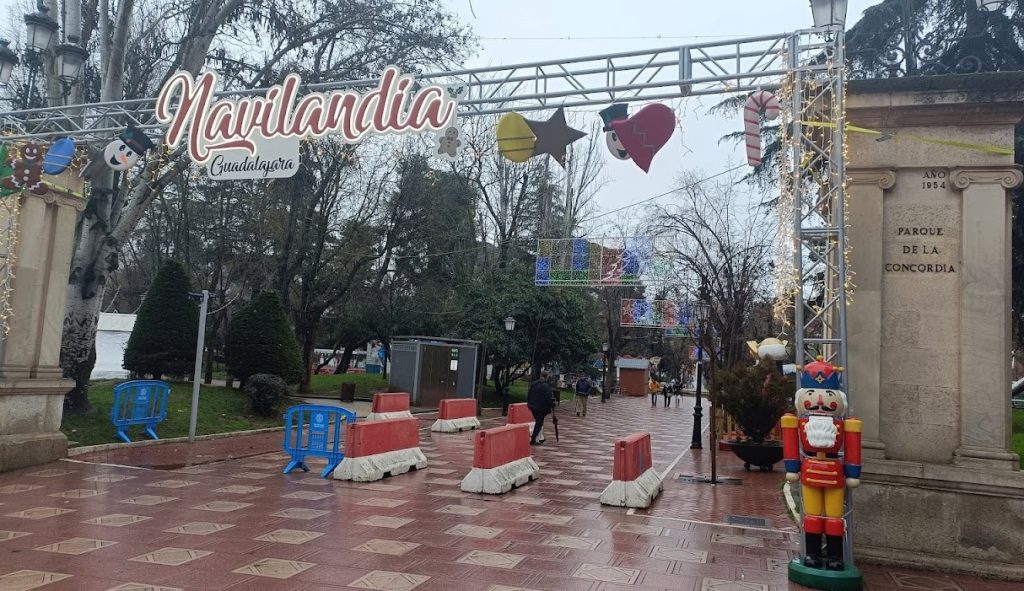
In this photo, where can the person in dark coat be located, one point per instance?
(540, 399)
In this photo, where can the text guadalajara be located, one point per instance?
(229, 124)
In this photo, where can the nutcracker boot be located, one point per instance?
(813, 526)
(834, 530)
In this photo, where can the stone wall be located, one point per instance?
(929, 326)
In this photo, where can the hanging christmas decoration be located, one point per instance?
(449, 146)
(58, 156)
(27, 171)
(515, 140)
(122, 153)
(520, 139)
(554, 136)
(5, 171)
(760, 103)
(616, 112)
(645, 133)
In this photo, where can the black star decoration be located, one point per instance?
(554, 136)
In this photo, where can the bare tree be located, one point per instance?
(724, 247)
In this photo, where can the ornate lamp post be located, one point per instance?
(605, 394)
(68, 58)
(700, 317)
(510, 325)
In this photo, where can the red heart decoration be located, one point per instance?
(646, 132)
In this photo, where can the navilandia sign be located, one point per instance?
(256, 137)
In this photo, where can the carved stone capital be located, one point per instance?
(59, 198)
(1009, 177)
(885, 178)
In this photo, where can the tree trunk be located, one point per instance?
(309, 331)
(77, 400)
(346, 359)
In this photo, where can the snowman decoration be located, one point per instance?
(123, 153)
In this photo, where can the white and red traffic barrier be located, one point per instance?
(375, 449)
(520, 414)
(389, 405)
(456, 414)
(635, 483)
(501, 460)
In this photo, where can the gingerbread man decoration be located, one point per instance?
(27, 171)
(448, 144)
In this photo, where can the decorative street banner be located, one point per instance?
(258, 137)
(601, 262)
(675, 317)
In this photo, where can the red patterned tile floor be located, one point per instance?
(242, 525)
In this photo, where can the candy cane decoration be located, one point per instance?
(761, 101)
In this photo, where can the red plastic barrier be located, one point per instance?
(376, 437)
(501, 445)
(632, 456)
(457, 408)
(518, 413)
(390, 402)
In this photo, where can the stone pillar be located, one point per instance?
(930, 166)
(867, 187)
(985, 315)
(31, 388)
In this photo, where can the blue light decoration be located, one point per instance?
(601, 262)
(673, 316)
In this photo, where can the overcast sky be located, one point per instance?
(529, 30)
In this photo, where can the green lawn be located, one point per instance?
(1018, 434)
(366, 384)
(220, 410)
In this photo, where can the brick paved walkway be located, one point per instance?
(241, 525)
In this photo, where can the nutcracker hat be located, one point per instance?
(821, 374)
(136, 140)
(614, 113)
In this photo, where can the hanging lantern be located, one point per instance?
(41, 29)
(827, 13)
(70, 59)
(8, 61)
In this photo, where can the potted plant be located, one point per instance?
(756, 397)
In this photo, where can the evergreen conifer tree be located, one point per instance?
(260, 340)
(163, 341)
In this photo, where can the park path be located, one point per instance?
(240, 524)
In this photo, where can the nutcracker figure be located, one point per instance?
(822, 449)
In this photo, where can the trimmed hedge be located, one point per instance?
(163, 341)
(266, 392)
(260, 340)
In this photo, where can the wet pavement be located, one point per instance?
(240, 524)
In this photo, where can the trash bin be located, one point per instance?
(348, 392)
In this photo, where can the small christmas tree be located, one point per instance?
(260, 340)
(163, 341)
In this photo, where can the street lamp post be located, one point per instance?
(68, 57)
(605, 394)
(510, 325)
(700, 312)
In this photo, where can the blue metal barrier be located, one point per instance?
(139, 402)
(319, 439)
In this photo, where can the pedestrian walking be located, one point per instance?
(583, 390)
(655, 387)
(666, 392)
(540, 399)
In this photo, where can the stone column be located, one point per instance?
(867, 187)
(31, 387)
(985, 302)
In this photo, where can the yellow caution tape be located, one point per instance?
(953, 144)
